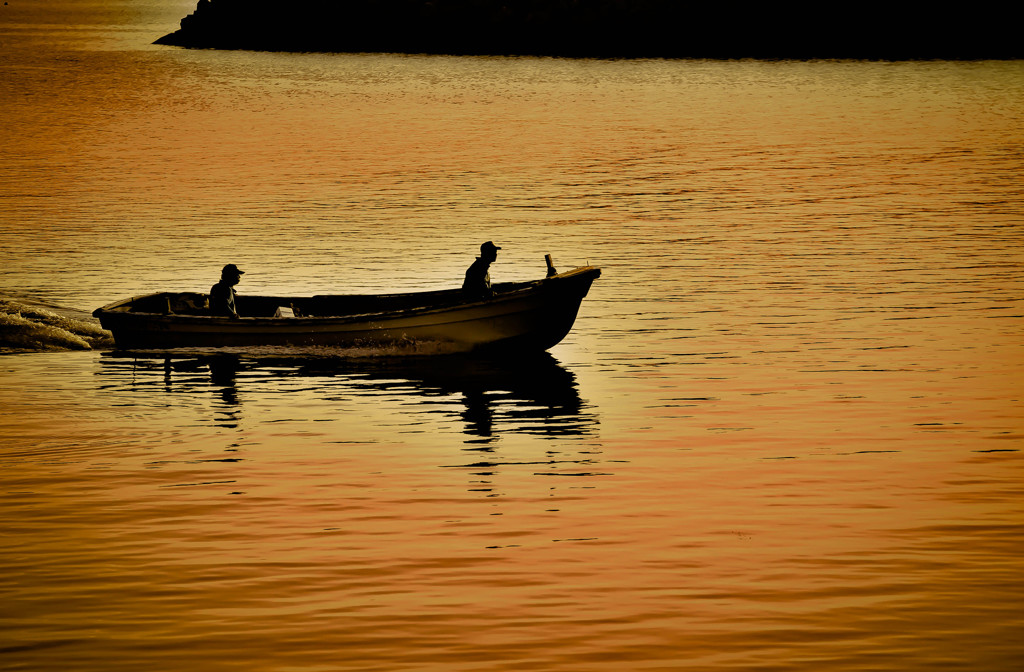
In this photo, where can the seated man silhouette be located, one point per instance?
(477, 284)
(222, 295)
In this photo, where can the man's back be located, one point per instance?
(478, 279)
(222, 299)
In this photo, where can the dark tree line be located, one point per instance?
(600, 28)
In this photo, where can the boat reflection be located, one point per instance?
(532, 394)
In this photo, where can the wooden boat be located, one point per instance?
(531, 315)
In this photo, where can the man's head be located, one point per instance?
(231, 274)
(489, 251)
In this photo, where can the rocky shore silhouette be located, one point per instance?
(600, 29)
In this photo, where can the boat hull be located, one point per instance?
(523, 316)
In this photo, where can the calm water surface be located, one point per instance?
(785, 433)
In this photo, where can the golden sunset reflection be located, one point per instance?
(784, 432)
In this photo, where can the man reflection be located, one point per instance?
(223, 371)
(478, 416)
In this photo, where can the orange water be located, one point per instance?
(784, 435)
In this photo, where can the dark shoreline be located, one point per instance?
(595, 29)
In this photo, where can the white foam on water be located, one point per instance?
(25, 327)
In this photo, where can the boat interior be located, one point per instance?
(197, 303)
